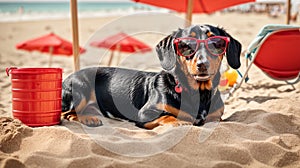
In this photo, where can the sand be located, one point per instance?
(261, 121)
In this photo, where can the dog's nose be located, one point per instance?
(202, 64)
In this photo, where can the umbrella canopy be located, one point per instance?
(123, 43)
(49, 43)
(194, 6)
(199, 6)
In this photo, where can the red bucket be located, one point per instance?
(36, 95)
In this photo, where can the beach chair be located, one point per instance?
(275, 51)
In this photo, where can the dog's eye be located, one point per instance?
(216, 45)
(187, 47)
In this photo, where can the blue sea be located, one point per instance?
(22, 11)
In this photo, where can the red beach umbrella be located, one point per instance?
(123, 43)
(194, 6)
(50, 43)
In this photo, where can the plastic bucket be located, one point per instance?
(36, 95)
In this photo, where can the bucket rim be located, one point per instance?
(58, 89)
(28, 112)
(31, 70)
(35, 100)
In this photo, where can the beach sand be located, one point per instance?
(261, 125)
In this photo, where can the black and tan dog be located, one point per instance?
(185, 93)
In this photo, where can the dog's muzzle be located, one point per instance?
(202, 77)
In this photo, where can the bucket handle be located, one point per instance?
(9, 69)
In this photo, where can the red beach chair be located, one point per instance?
(276, 51)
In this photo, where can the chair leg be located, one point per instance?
(294, 82)
(244, 78)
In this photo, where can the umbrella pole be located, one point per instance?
(74, 16)
(189, 12)
(136, 49)
(110, 58)
(51, 56)
(288, 12)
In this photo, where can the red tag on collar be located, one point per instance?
(178, 89)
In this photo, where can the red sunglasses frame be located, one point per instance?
(177, 40)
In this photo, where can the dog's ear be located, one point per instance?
(166, 51)
(233, 52)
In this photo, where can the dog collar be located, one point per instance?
(178, 88)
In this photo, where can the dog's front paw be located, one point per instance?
(89, 120)
(199, 122)
(179, 123)
(171, 120)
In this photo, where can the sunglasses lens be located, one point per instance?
(187, 47)
(216, 46)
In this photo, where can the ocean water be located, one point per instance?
(22, 11)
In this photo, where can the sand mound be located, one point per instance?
(12, 133)
(248, 138)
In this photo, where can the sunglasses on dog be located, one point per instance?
(188, 46)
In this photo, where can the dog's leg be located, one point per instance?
(216, 109)
(215, 115)
(71, 114)
(180, 114)
(163, 114)
(90, 115)
(86, 111)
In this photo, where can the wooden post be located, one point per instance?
(51, 56)
(288, 12)
(189, 12)
(73, 5)
(111, 58)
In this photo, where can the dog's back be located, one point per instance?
(122, 92)
(118, 92)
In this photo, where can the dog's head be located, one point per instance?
(197, 51)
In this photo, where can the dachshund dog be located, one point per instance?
(184, 93)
